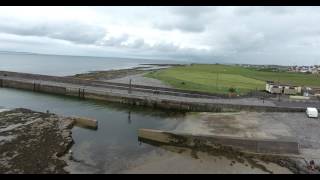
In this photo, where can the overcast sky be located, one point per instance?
(259, 35)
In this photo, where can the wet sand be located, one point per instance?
(185, 161)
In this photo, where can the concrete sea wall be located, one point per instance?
(213, 142)
(33, 86)
(150, 101)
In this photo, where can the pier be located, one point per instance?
(157, 97)
(251, 145)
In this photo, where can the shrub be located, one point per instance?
(232, 90)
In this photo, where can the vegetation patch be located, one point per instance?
(226, 79)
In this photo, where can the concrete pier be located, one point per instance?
(265, 146)
(85, 122)
(143, 96)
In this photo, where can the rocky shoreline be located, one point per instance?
(34, 142)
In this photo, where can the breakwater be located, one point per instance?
(121, 93)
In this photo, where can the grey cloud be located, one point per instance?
(138, 43)
(238, 34)
(182, 25)
(114, 41)
(187, 19)
(272, 10)
(165, 47)
(245, 42)
(78, 33)
(141, 45)
(192, 12)
(70, 31)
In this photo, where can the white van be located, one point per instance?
(312, 112)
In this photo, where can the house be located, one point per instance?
(316, 91)
(291, 90)
(277, 88)
(273, 88)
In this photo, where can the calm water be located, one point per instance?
(67, 65)
(114, 145)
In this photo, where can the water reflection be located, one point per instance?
(129, 117)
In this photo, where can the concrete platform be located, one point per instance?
(207, 142)
(86, 122)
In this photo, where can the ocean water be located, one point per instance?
(59, 65)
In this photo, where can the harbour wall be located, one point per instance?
(210, 142)
(150, 101)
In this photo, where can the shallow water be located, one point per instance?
(115, 144)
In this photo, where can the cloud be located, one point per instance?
(182, 25)
(192, 12)
(72, 31)
(137, 44)
(166, 47)
(276, 35)
(113, 41)
(187, 19)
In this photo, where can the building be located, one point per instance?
(277, 88)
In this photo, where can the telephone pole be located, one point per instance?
(129, 86)
(217, 80)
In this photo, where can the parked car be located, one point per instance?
(312, 112)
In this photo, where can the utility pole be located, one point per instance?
(217, 80)
(129, 86)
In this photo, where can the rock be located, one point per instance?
(40, 139)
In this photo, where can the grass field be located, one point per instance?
(219, 78)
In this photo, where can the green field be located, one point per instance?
(219, 78)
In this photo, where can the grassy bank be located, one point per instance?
(219, 78)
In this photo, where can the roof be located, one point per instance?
(312, 109)
(277, 84)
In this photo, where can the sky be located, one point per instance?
(200, 34)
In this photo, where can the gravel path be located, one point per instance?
(139, 79)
